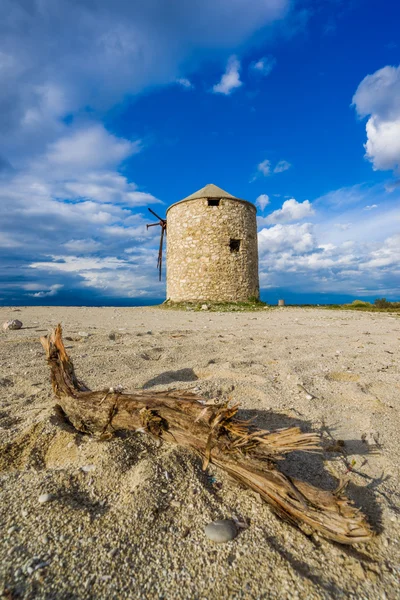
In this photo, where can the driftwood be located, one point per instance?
(249, 455)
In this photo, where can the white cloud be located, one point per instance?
(111, 50)
(82, 246)
(283, 165)
(291, 211)
(290, 255)
(230, 80)
(53, 291)
(346, 250)
(129, 278)
(264, 168)
(72, 263)
(295, 237)
(378, 97)
(90, 147)
(61, 182)
(104, 187)
(184, 82)
(87, 214)
(262, 201)
(370, 207)
(383, 144)
(387, 255)
(263, 66)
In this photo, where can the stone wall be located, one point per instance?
(201, 264)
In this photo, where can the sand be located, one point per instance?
(126, 516)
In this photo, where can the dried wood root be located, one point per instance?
(249, 455)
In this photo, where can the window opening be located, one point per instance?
(213, 202)
(234, 245)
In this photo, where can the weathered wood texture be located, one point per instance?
(249, 455)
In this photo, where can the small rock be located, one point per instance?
(83, 333)
(112, 336)
(221, 531)
(13, 324)
(45, 498)
(88, 468)
(204, 307)
(357, 570)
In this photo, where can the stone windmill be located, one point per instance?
(212, 248)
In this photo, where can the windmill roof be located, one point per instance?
(210, 191)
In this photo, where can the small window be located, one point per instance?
(234, 245)
(213, 202)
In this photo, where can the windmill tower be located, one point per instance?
(211, 248)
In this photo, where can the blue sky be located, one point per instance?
(107, 108)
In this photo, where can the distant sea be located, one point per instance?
(271, 296)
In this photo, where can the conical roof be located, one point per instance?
(210, 191)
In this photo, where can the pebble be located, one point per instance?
(204, 307)
(83, 333)
(221, 531)
(45, 498)
(13, 324)
(88, 468)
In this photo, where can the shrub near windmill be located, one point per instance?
(212, 250)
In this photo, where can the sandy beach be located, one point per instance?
(126, 516)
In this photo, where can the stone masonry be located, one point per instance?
(212, 248)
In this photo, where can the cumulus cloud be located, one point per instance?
(346, 250)
(263, 66)
(90, 147)
(62, 180)
(295, 237)
(291, 211)
(86, 213)
(127, 277)
(262, 201)
(230, 80)
(131, 45)
(378, 97)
